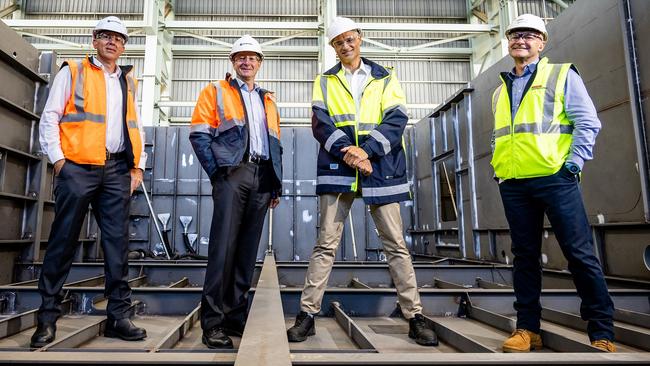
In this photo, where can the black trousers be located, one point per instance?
(241, 198)
(107, 189)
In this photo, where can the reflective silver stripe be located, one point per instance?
(382, 140)
(319, 104)
(200, 127)
(129, 79)
(323, 88)
(342, 117)
(220, 112)
(399, 107)
(535, 129)
(273, 133)
(385, 191)
(365, 126)
(503, 131)
(79, 90)
(495, 98)
(549, 96)
(132, 124)
(336, 180)
(80, 117)
(333, 138)
(386, 81)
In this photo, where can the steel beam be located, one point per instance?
(19, 322)
(623, 334)
(77, 338)
(183, 282)
(481, 283)
(456, 339)
(179, 331)
(550, 339)
(632, 317)
(264, 341)
(352, 329)
(88, 282)
(355, 283)
(438, 283)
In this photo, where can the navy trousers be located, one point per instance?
(241, 197)
(107, 189)
(525, 202)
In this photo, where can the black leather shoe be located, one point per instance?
(124, 329)
(216, 338)
(303, 328)
(44, 334)
(420, 331)
(234, 330)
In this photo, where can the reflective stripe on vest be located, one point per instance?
(537, 142)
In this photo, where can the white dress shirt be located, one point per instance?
(259, 136)
(60, 92)
(357, 80)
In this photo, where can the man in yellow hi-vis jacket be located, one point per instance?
(359, 116)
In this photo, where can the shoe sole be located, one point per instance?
(203, 339)
(311, 332)
(40, 344)
(515, 350)
(111, 334)
(421, 343)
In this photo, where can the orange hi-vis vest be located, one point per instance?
(83, 125)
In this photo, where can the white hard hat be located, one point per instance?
(528, 21)
(246, 43)
(113, 24)
(339, 26)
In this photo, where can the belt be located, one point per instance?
(257, 160)
(116, 156)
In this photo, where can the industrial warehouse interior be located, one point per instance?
(448, 56)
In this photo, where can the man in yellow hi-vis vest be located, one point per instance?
(545, 126)
(359, 116)
(91, 132)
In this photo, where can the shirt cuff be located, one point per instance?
(55, 155)
(577, 161)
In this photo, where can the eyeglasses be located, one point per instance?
(242, 59)
(111, 37)
(341, 43)
(526, 36)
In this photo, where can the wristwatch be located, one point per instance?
(572, 167)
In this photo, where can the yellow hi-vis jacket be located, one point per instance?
(537, 142)
(83, 125)
(377, 128)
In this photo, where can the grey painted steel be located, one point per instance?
(622, 333)
(264, 341)
(19, 322)
(88, 282)
(179, 331)
(183, 282)
(438, 283)
(457, 339)
(490, 285)
(355, 283)
(352, 329)
(632, 317)
(76, 338)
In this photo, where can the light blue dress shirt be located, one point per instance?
(259, 136)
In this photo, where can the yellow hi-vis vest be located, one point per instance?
(537, 142)
(83, 125)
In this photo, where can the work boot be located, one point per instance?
(303, 328)
(124, 329)
(522, 340)
(604, 344)
(216, 338)
(44, 335)
(420, 331)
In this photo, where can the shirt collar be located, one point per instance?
(118, 69)
(244, 86)
(528, 70)
(363, 68)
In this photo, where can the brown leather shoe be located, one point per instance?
(604, 344)
(522, 340)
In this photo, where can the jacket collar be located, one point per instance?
(376, 71)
